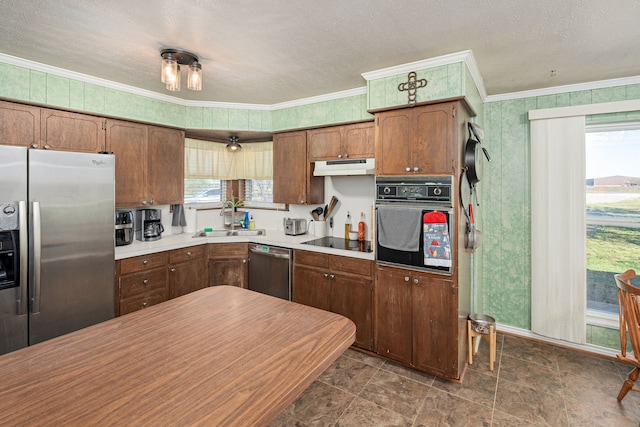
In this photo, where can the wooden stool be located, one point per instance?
(473, 349)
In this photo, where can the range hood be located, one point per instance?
(344, 167)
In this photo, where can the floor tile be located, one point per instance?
(529, 373)
(476, 386)
(399, 394)
(500, 419)
(319, 405)
(529, 350)
(444, 409)
(365, 413)
(413, 374)
(348, 374)
(374, 361)
(531, 404)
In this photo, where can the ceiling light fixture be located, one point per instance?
(170, 72)
(233, 145)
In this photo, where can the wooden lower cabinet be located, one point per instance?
(147, 280)
(228, 264)
(417, 321)
(339, 284)
(187, 270)
(141, 282)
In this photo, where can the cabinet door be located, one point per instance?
(359, 141)
(325, 143)
(290, 168)
(435, 322)
(72, 132)
(312, 287)
(393, 136)
(128, 142)
(352, 297)
(432, 151)
(186, 277)
(19, 125)
(229, 271)
(394, 315)
(165, 183)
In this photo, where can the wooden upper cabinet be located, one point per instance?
(354, 141)
(165, 184)
(149, 163)
(19, 125)
(293, 180)
(61, 130)
(128, 142)
(422, 140)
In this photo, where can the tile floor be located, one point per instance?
(532, 384)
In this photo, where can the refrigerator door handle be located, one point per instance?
(37, 250)
(24, 256)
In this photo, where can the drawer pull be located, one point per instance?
(406, 278)
(188, 253)
(326, 275)
(332, 276)
(144, 304)
(415, 281)
(145, 262)
(173, 269)
(145, 281)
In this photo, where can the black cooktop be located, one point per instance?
(340, 243)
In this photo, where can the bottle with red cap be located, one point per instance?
(361, 228)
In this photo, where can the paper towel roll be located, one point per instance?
(190, 215)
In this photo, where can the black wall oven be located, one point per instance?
(415, 223)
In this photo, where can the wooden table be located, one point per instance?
(219, 356)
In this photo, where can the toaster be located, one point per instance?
(295, 226)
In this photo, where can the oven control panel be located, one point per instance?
(414, 189)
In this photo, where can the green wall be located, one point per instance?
(504, 286)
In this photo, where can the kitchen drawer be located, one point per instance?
(143, 262)
(315, 259)
(139, 302)
(228, 250)
(343, 264)
(143, 281)
(186, 254)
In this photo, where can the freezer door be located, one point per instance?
(13, 244)
(72, 241)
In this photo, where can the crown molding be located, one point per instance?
(321, 98)
(555, 90)
(451, 58)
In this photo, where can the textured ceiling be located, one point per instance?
(267, 52)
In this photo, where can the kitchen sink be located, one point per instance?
(227, 233)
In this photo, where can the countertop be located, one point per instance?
(202, 359)
(272, 237)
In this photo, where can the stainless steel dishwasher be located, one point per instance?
(270, 270)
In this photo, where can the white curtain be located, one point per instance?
(211, 160)
(558, 224)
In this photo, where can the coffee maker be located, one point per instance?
(124, 227)
(148, 225)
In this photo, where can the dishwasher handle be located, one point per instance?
(257, 249)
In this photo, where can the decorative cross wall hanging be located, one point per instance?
(411, 86)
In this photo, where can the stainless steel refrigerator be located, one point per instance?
(56, 243)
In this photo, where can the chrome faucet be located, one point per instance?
(225, 205)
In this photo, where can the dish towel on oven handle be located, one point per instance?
(399, 228)
(437, 242)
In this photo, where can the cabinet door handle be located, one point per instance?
(144, 202)
(145, 262)
(406, 278)
(144, 304)
(189, 253)
(332, 276)
(34, 145)
(416, 169)
(46, 146)
(326, 275)
(346, 155)
(408, 169)
(145, 281)
(339, 156)
(244, 260)
(172, 269)
(415, 281)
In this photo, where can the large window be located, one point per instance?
(612, 211)
(213, 174)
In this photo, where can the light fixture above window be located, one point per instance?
(233, 145)
(170, 72)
